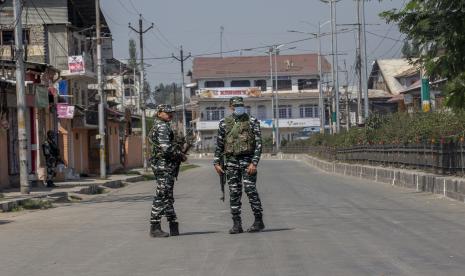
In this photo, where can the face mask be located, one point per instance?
(239, 110)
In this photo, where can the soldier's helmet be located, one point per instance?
(51, 135)
(236, 101)
(165, 108)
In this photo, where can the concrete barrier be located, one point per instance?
(451, 187)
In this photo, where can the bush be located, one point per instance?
(398, 128)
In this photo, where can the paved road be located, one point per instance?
(317, 224)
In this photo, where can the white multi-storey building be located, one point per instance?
(220, 78)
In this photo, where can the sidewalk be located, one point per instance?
(86, 185)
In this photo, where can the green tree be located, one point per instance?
(132, 62)
(438, 26)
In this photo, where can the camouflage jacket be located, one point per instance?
(161, 137)
(50, 150)
(221, 139)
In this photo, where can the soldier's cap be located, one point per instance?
(236, 101)
(165, 108)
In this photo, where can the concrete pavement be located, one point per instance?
(317, 224)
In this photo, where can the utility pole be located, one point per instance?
(276, 101)
(321, 104)
(334, 49)
(273, 115)
(360, 114)
(365, 65)
(221, 41)
(181, 59)
(25, 186)
(101, 106)
(141, 33)
(346, 85)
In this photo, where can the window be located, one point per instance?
(8, 37)
(285, 111)
(261, 112)
(261, 84)
(215, 113)
(307, 84)
(309, 111)
(211, 84)
(240, 83)
(284, 85)
(127, 92)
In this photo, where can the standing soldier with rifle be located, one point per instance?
(165, 160)
(52, 157)
(239, 142)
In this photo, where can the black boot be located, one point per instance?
(237, 227)
(174, 228)
(156, 232)
(50, 184)
(258, 225)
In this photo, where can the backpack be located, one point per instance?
(239, 136)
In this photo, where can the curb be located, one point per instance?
(450, 187)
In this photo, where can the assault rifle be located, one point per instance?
(183, 145)
(222, 178)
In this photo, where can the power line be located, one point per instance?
(53, 35)
(134, 7)
(126, 9)
(381, 36)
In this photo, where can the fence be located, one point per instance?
(445, 158)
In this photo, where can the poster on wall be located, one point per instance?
(41, 97)
(229, 92)
(76, 64)
(65, 111)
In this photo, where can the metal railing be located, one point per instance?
(443, 158)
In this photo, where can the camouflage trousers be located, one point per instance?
(50, 164)
(163, 201)
(236, 173)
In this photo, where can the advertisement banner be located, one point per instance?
(76, 64)
(65, 111)
(41, 97)
(229, 92)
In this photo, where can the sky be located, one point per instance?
(195, 24)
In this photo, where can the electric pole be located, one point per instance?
(101, 106)
(25, 186)
(365, 62)
(181, 59)
(141, 33)
(321, 104)
(221, 41)
(276, 100)
(335, 65)
(360, 87)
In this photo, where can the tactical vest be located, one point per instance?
(239, 138)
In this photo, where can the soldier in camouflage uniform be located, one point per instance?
(239, 142)
(52, 157)
(164, 154)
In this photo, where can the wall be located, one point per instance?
(4, 179)
(133, 149)
(81, 153)
(114, 160)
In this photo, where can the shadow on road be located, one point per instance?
(5, 222)
(278, 229)
(197, 233)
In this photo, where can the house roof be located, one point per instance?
(390, 69)
(256, 66)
